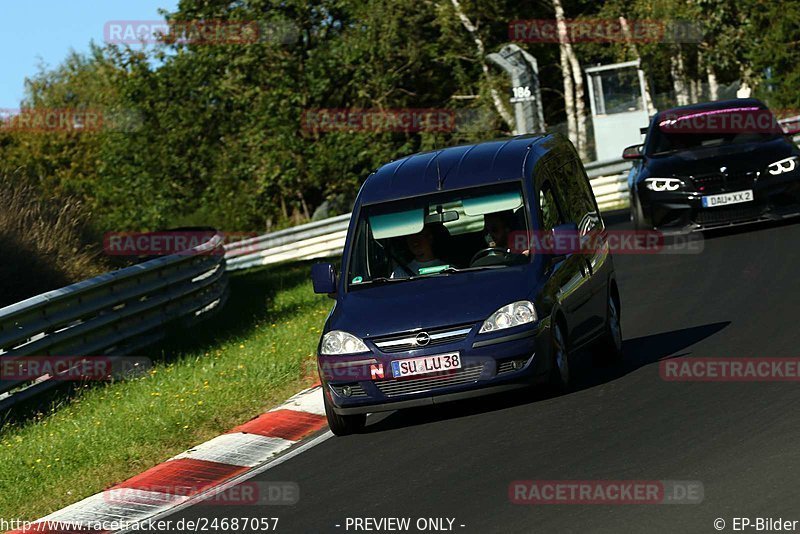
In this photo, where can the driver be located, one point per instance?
(498, 227)
(421, 246)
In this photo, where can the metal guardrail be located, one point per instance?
(112, 315)
(313, 240)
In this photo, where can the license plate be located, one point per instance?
(426, 364)
(725, 199)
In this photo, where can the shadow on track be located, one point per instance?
(639, 352)
(645, 350)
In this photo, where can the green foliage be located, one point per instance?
(210, 134)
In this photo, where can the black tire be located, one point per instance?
(637, 217)
(609, 348)
(560, 377)
(343, 425)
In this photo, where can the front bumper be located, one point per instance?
(489, 364)
(775, 198)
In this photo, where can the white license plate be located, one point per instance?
(426, 364)
(725, 199)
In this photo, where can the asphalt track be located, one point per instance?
(739, 297)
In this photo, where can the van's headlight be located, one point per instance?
(337, 342)
(515, 314)
(663, 184)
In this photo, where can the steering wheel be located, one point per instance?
(489, 256)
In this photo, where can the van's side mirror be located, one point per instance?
(323, 277)
(566, 241)
(633, 152)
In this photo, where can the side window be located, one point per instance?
(549, 210)
(368, 258)
(577, 194)
(588, 195)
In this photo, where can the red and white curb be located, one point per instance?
(204, 470)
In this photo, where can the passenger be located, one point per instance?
(421, 246)
(498, 227)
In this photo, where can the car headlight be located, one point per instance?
(515, 314)
(337, 342)
(781, 166)
(663, 184)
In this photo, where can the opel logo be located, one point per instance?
(423, 339)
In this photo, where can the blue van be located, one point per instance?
(436, 300)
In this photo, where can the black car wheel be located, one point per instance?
(609, 348)
(343, 425)
(637, 217)
(560, 378)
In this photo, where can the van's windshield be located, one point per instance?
(438, 234)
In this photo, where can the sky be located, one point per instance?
(39, 32)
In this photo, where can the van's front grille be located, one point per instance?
(393, 388)
(414, 340)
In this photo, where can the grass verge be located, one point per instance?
(253, 355)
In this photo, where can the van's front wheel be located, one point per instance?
(343, 425)
(560, 379)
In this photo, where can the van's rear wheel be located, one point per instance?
(343, 425)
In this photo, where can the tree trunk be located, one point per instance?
(566, 74)
(695, 91)
(679, 79)
(580, 104)
(713, 85)
(473, 31)
(569, 97)
(744, 90)
(304, 205)
(626, 31)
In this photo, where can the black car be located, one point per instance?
(711, 165)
